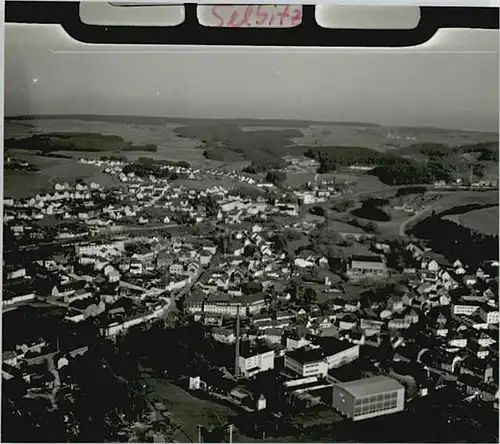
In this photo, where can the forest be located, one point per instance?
(456, 241)
(51, 142)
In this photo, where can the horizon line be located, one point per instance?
(216, 119)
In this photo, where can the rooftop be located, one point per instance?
(331, 346)
(304, 355)
(247, 350)
(371, 386)
(367, 258)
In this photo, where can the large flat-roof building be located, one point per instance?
(316, 361)
(306, 362)
(368, 397)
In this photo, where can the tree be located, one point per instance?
(372, 227)
(310, 296)
(251, 287)
(318, 210)
(250, 250)
(276, 176)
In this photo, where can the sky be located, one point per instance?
(446, 85)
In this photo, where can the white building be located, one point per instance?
(307, 362)
(369, 397)
(252, 362)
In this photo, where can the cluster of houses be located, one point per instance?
(297, 314)
(443, 320)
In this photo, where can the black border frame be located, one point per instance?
(307, 34)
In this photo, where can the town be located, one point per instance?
(300, 317)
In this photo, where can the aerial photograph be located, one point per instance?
(183, 270)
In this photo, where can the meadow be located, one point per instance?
(188, 410)
(484, 220)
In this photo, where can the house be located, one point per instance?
(304, 261)
(477, 367)
(431, 266)
(464, 308)
(164, 259)
(193, 268)
(272, 335)
(323, 262)
(261, 403)
(469, 280)
(457, 340)
(224, 335)
(78, 295)
(176, 269)
(489, 314)
(295, 341)
(416, 251)
(10, 358)
(395, 304)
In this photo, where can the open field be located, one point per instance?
(22, 184)
(359, 183)
(484, 220)
(187, 410)
(372, 136)
(343, 227)
(249, 137)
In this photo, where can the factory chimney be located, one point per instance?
(237, 352)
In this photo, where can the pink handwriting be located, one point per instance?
(283, 16)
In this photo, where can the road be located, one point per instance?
(425, 211)
(100, 236)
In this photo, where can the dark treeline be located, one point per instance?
(486, 150)
(228, 142)
(390, 169)
(15, 165)
(264, 165)
(276, 176)
(394, 169)
(115, 158)
(331, 157)
(222, 154)
(403, 174)
(162, 162)
(463, 209)
(410, 190)
(456, 241)
(145, 167)
(50, 142)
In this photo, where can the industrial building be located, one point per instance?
(252, 361)
(369, 397)
(366, 266)
(316, 360)
(307, 362)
